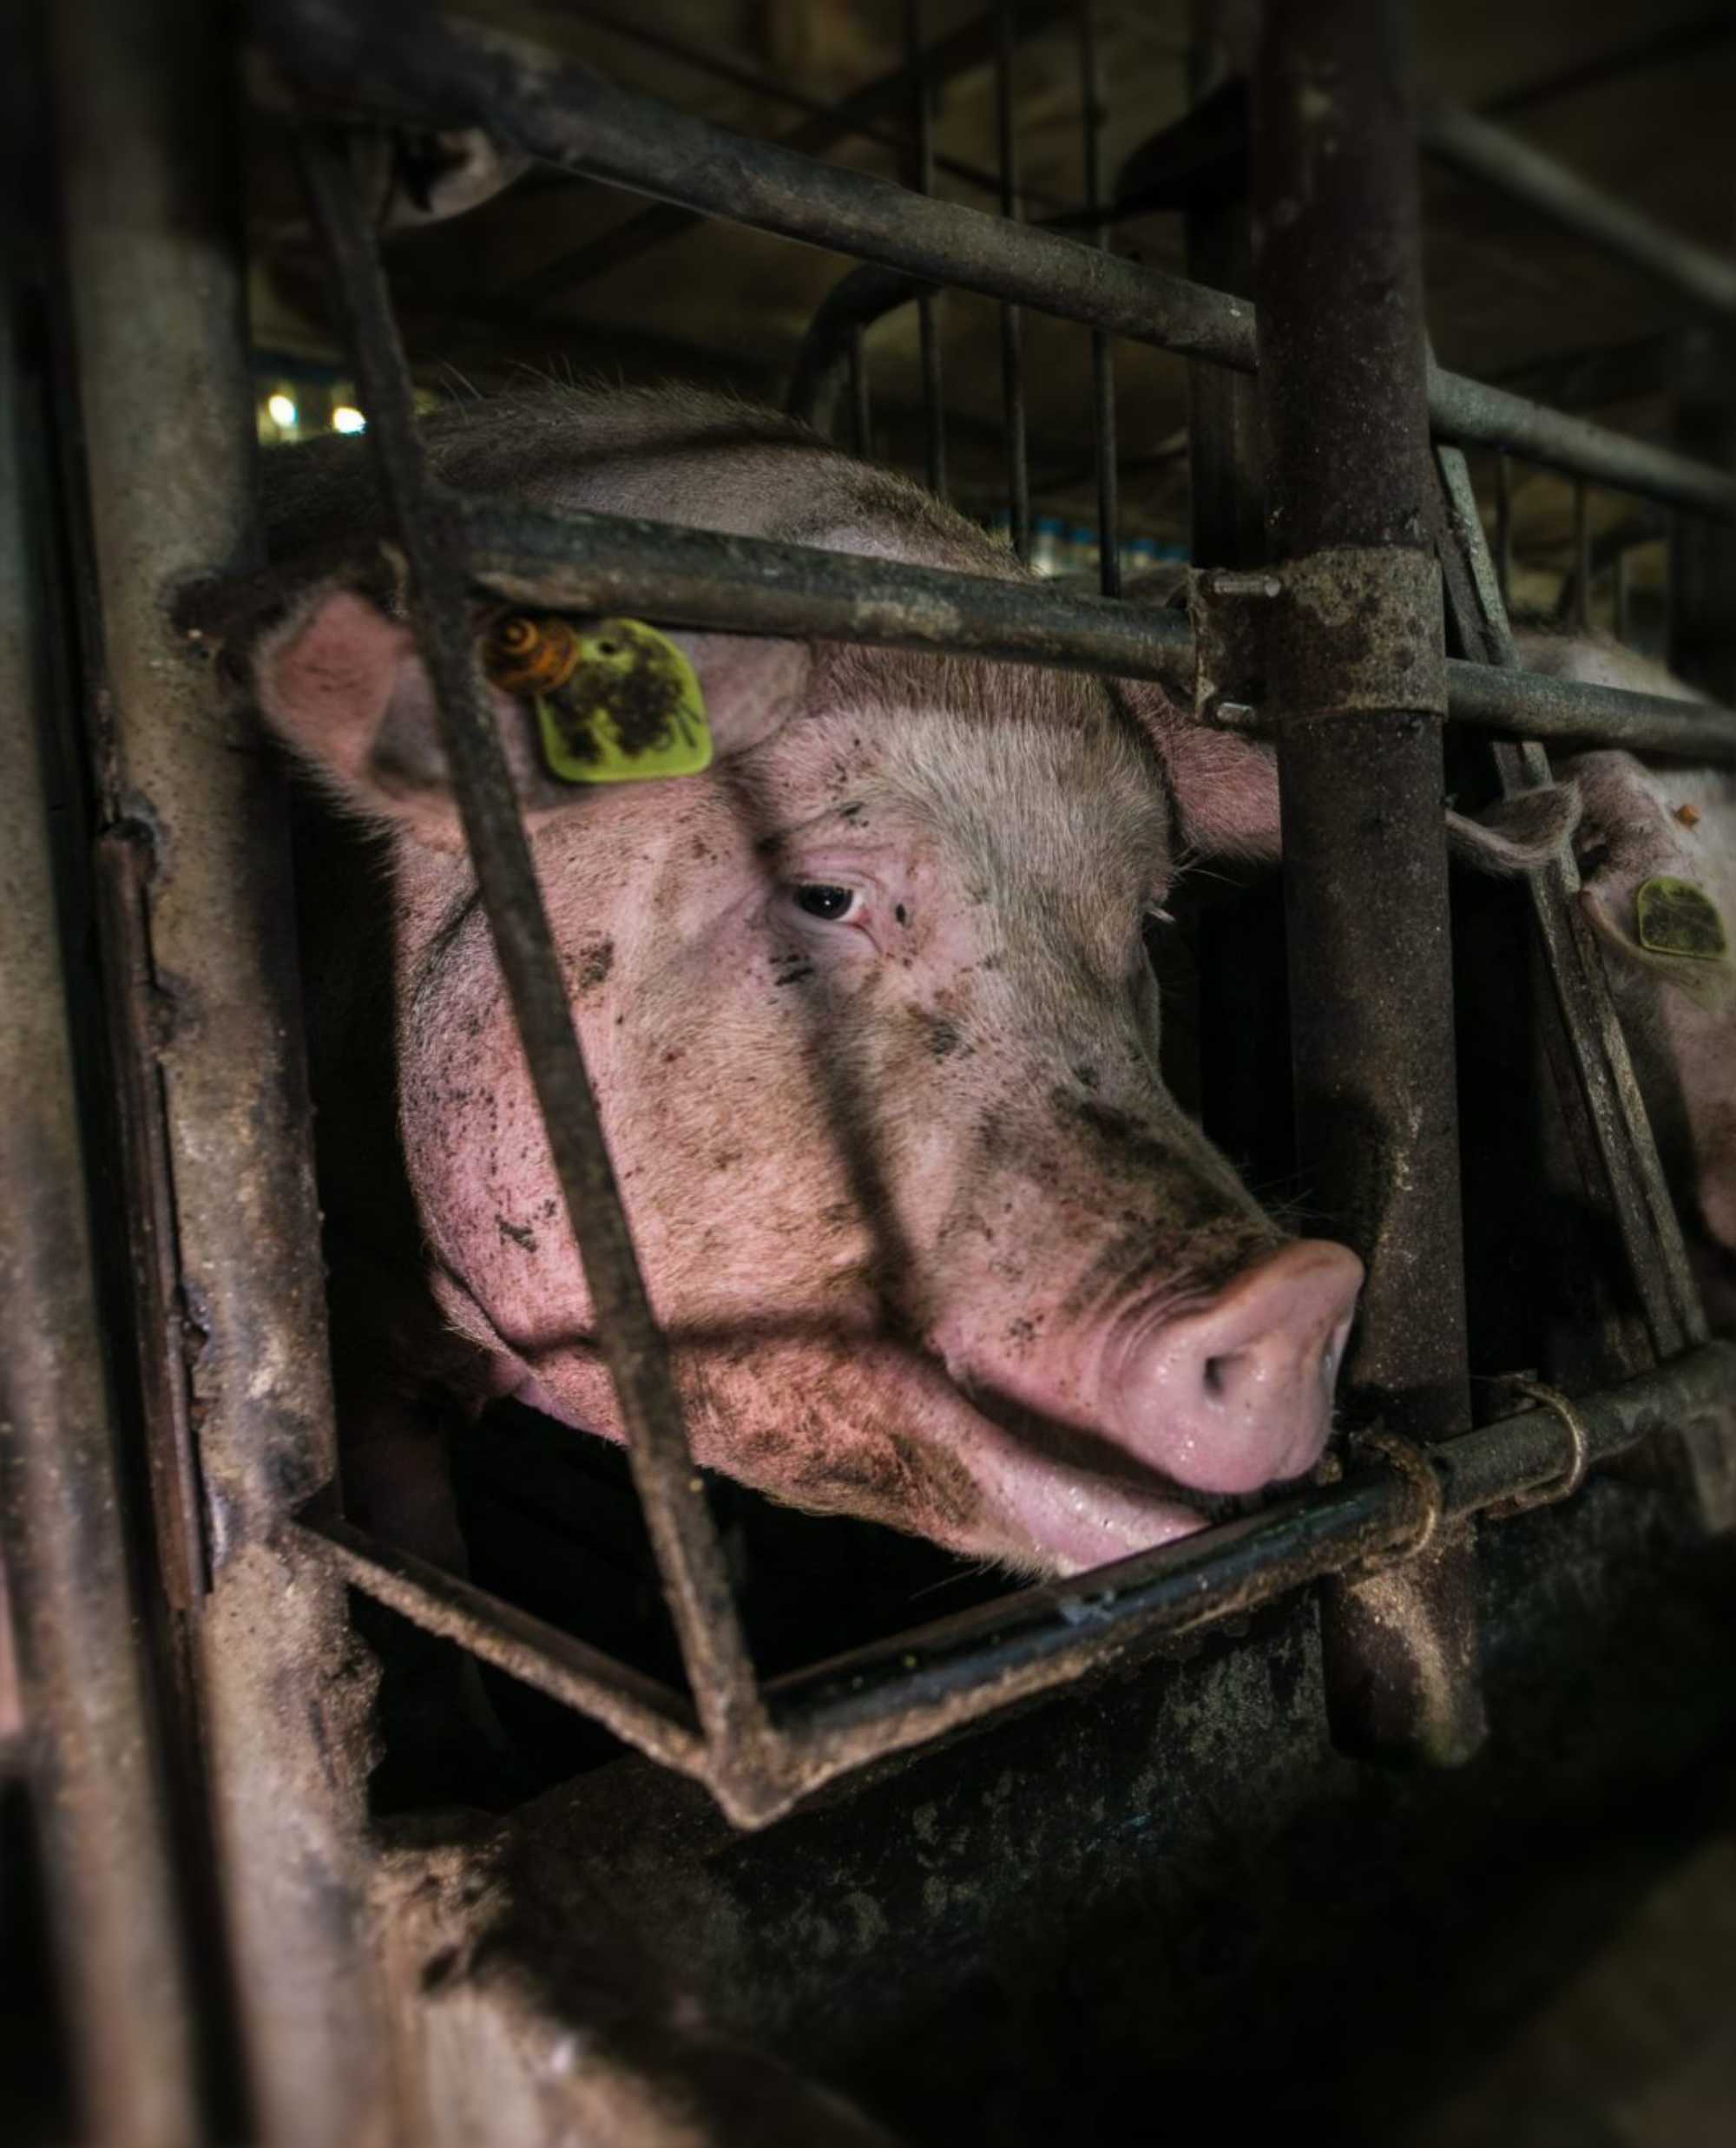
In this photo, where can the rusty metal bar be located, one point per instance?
(1102, 347)
(847, 119)
(567, 114)
(653, 1717)
(154, 273)
(1012, 337)
(689, 1554)
(839, 1715)
(1357, 674)
(91, 1752)
(922, 182)
(586, 562)
(954, 55)
(920, 1683)
(1646, 1217)
(1478, 150)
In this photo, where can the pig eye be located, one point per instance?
(818, 898)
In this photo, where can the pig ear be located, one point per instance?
(1710, 985)
(341, 683)
(1225, 785)
(1226, 788)
(1517, 834)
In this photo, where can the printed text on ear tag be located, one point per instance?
(615, 702)
(1675, 918)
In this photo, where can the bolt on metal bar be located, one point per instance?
(951, 55)
(1103, 348)
(153, 267)
(922, 179)
(567, 114)
(1012, 337)
(91, 1750)
(1359, 677)
(606, 563)
(1646, 1216)
(689, 1553)
(1479, 150)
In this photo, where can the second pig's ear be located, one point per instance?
(342, 684)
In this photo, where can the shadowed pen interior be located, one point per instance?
(869, 1228)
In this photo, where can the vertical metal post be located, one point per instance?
(94, 1764)
(1012, 334)
(1358, 675)
(1503, 528)
(1702, 576)
(1223, 407)
(155, 277)
(922, 179)
(1102, 346)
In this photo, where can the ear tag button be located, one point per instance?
(615, 702)
(1675, 918)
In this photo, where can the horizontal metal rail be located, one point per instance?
(1477, 150)
(839, 1715)
(566, 114)
(605, 563)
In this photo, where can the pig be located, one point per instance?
(868, 1013)
(1642, 821)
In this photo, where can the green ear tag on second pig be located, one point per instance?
(630, 708)
(1675, 918)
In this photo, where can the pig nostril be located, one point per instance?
(1212, 1378)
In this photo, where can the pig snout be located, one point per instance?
(1236, 1392)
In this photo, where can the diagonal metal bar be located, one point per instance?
(1478, 150)
(726, 67)
(689, 1554)
(1651, 1233)
(967, 47)
(647, 1714)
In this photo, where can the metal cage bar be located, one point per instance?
(760, 1751)
(153, 263)
(580, 561)
(567, 114)
(1358, 674)
(90, 1750)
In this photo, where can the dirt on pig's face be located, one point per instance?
(869, 1016)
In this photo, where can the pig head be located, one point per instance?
(1643, 823)
(868, 1012)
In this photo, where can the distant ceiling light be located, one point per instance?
(280, 409)
(347, 418)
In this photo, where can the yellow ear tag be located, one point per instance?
(630, 708)
(1675, 918)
